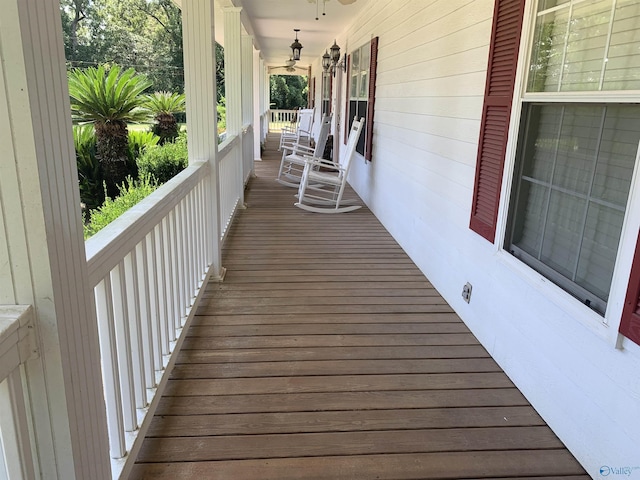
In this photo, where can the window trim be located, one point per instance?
(370, 97)
(608, 326)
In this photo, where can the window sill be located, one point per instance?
(566, 302)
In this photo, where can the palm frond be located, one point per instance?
(165, 103)
(100, 96)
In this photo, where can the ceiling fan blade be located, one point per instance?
(347, 2)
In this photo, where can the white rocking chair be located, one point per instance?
(301, 132)
(321, 192)
(294, 156)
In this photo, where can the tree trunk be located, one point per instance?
(112, 148)
(165, 127)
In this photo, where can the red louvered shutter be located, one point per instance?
(494, 129)
(630, 324)
(373, 67)
(346, 107)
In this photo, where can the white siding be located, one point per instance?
(431, 73)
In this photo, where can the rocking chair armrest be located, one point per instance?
(303, 149)
(321, 162)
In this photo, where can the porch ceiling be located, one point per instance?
(271, 22)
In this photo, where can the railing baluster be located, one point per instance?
(190, 229)
(154, 310)
(180, 264)
(162, 288)
(135, 328)
(110, 374)
(123, 342)
(16, 458)
(145, 314)
(173, 272)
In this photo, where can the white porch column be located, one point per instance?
(200, 89)
(248, 125)
(42, 256)
(257, 106)
(233, 87)
(233, 69)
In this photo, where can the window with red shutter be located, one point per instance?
(575, 154)
(361, 91)
(494, 128)
(630, 324)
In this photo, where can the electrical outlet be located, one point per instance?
(466, 292)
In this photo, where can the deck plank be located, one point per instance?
(326, 354)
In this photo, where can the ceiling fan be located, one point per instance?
(343, 2)
(289, 65)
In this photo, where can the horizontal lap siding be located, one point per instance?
(430, 81)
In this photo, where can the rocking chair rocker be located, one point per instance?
(294, 156)
(321, 192)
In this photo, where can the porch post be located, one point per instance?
(248, 125)
(200, 89)
(257, 106)
(233, 85)
(42, 256)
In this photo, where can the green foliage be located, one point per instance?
(163, 106)
(163, 162)
(109, 100)
(131, 192)
(90, 180)
(100, 96)
(139, 141)
(222, 117)
(288, 92)
(146, 34)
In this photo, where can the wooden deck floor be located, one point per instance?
(326, 354)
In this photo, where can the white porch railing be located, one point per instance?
(147, 269)
(17, 345)
(281, 118)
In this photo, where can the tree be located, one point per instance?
(288, 92)
(162, 106)
(142, 34)
(109, 101)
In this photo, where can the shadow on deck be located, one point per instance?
(327, 354)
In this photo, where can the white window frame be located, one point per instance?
(606, 326)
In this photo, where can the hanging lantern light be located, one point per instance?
(326, 61)
(296, 46)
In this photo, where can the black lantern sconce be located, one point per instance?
(296, 46)
(331, 61)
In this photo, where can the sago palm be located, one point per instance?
(162, 106)
(109, 100)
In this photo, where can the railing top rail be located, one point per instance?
(105, 249)
(15, 337)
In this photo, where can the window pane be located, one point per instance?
(355, 74)
(546, 4)
(567, 224)
(599, 249)
(586, 46)
(617, 154)
(623, 61)
(562, 233)
(531, 213)
(542, 133)
(363, 92)
(548, 46)
(577, 148)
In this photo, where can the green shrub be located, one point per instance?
(90, 181)
(139, 140)
(131, 192)
(163, 162)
